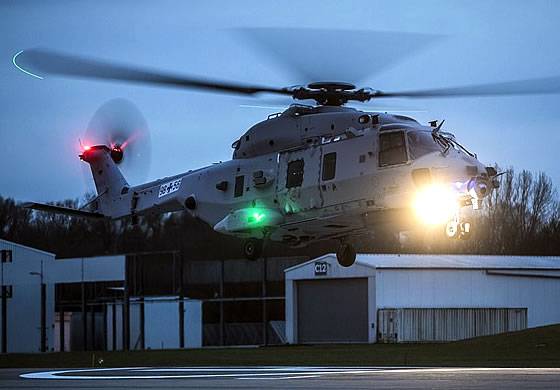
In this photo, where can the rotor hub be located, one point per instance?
(331, 86)
(332, 93)
(117, 154)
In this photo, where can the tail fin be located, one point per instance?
(107, 176)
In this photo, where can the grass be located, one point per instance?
(537, 347)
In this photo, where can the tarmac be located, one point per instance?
(282, 377)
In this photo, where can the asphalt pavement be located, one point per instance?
(282, 377)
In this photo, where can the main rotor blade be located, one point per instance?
(316, 54)
(521, 87)
(54, 63)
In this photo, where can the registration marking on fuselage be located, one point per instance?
(169, 187)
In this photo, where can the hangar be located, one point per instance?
(419, 298)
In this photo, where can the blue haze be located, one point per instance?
(42, 120)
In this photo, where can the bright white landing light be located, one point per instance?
(436, 204)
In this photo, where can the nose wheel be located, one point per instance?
(252, 249)
(346, 255)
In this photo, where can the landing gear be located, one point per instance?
(252, 249)
(346, 255)
(458, 230)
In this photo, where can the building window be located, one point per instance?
(8, 291)
(295, 174)
(239, 184)
(329, 166)
(392, 149)
(6, 256)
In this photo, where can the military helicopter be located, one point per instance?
(324, 171)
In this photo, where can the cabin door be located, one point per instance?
(297, 187)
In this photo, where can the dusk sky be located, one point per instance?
(471, 42)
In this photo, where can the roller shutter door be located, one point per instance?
(332, 310)
(441, 324)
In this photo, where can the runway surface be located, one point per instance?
(283, 378)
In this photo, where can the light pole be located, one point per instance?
(43, 308)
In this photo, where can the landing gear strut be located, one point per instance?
(346, 255)
(252, 249)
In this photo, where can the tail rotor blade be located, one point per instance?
(118, 123)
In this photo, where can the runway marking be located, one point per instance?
(220, 369)
(257, 373)
(281, 378)
(242, 374)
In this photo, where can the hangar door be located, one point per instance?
(332, 310)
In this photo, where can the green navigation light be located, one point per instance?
(256, 217)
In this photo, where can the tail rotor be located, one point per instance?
(120, 126)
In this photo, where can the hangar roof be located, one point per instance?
(417, 261)
(459, 261)
(10, 243)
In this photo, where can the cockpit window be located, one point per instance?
(392, 149)
(421, 143)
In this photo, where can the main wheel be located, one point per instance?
(452, 229)
(252, 249)
(346, 255)
(466, 230)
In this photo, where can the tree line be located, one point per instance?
(522, 217)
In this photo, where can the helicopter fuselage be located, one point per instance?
(310, 174)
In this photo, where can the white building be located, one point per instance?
(24, 296)
(29, 322)
(28, 277)
(415, 298)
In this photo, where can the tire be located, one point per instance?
(252, 249)
(465, 231)
(452, 230)
(346, 255)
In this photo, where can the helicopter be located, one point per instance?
(324, 171)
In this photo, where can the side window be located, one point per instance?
(239, 184)
(6, 255)
(392, 149)
(329, 166)
(295, 174)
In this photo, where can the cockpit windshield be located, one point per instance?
(421, 143)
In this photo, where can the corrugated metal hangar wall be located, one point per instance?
(424, 325)
(419, 298)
